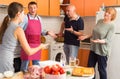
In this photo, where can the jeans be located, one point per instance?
(17, 64)
(70, 51)
(24, 65)
(102, 63)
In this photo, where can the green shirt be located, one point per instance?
(102, 31)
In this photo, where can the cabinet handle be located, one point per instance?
(117, 33)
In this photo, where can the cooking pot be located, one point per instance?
(59, 38)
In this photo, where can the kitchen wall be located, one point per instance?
(54, 23)
(51, 24)
(3, 13)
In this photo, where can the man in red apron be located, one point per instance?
(33, 30)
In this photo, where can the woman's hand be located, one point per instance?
(44, 46)
(98, 41)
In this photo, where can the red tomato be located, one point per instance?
(47, 70)
(61, 71)
(55, 68)
(58, 65)
(55, 73)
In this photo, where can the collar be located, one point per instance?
(75, 18)
(33, 17)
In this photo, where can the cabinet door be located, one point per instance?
(109, 2)
(83, 55)
(43, 7)
(92, 6)
(25, 4)
(44, 55)
(118, 2)
(54, 8)
(79, 4)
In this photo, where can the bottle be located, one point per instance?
(62, 60)
(103, 7)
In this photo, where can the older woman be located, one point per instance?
(101, 42)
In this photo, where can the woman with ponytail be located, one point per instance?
(11, 34)
(3, 27)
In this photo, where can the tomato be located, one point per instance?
(58, 65)
(47, 70)
(55, 73)
(55, 68)
(61, 71)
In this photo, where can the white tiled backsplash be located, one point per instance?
(3, 13)
(54, 23)
(51, 24)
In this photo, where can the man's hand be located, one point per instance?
(69, 29)
(82, 37)
(52, 34)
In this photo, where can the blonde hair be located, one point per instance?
(112, 11)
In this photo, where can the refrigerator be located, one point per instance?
(113, 67)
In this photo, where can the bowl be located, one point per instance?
(50, 76)
(8, 74)
(1, 76)
(59, 39)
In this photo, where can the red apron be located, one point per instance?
(32, 33)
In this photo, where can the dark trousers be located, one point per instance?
(102, 64)
(17, 64)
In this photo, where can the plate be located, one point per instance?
(48, 63)
(83, 71)
(80, 77)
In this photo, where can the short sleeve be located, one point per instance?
(81, 24)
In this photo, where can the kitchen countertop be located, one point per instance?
(67, 68)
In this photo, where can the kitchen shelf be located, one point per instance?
(3, 6)
(63, 9)
(64, 4)
(62, 16)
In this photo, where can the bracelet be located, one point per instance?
(47, 33)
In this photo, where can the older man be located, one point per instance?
(72, 27)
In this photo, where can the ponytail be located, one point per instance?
(3, 27)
